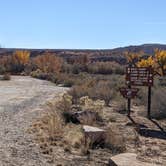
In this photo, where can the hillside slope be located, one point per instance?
(116, 54)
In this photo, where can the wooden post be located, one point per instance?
(129, 104)
(149, 102)
(150, 92)
(129, 100)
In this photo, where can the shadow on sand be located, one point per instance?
(147, 132)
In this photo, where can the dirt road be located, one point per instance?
(20, 101)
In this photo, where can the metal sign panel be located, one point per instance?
(139, 76)
(129, 92)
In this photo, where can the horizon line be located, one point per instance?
(33, 48)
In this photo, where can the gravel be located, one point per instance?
(21, 102)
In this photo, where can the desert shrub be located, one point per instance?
(105, 68)
(81, 59)
(75, 69)
(76, 92)
(40, 75)
(49, 129)
(100, 68)
(90, 104)
(115, 140)
(66, 79)
(81, 90)
(2, 69)
(65, 103)
(159, 104)
(102, 91)
(142, 95)
(121, 105)
(48, 63)
(119, 70)
(94, 89)
(68, 83)
(162, 81)
(74, 139)
(56, 122)
(93, 106)
(6, 76)
(65, 106)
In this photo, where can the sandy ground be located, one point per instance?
(20, 101)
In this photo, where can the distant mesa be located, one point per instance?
(116, 54)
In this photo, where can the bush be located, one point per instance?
(40, 75)
(66, 79)
(142, 96)
(159, 103)
(105, 68)
(84, 89)
(74, 138)
(48, 63)
(56, 122)
(115, 140)
(6, 77)
(121, 106)
(119, 70)
(102, 91)
(94, 89)
(100, 68)
(162, 81)
(2, 69)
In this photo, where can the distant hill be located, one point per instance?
(116, 54)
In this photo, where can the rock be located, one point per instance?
(96, 135)
(85, 117)
(126, 159)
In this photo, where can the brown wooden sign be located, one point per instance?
(128, 92)
(139, 76)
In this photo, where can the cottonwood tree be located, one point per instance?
(16, 62)
(157, 62)
(48, 63)
(133, 57)
(19, 60)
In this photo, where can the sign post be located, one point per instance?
(165, 72)
(149, 102)
(128, 93)
(129, 102)
(140, 76)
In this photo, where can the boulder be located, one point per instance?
(85, 117)
(96, 135)
(126, 159)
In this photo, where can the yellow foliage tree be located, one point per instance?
(133, 57)
(150, 62)
(160, 58)
(21, 57)
(48, 63)
(158, 62)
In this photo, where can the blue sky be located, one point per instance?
(81, 23)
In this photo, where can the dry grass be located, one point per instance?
(74, 139)
(49, 129)
(159, 103)
(52, 130)
(121, 106)
(55, 122)
(115, 140)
